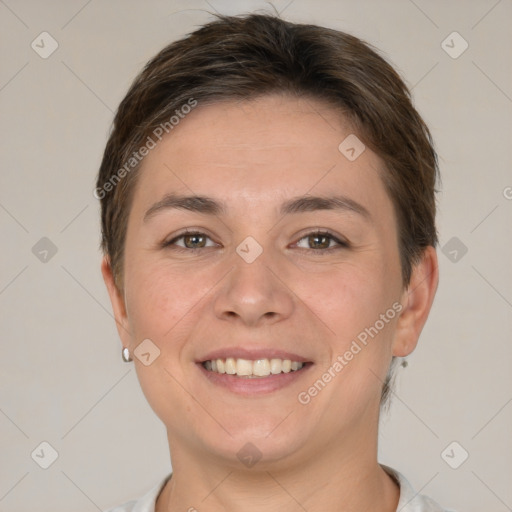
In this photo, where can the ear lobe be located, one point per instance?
(118, 302)
(417, 301)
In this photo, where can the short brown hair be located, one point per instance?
(242, 57)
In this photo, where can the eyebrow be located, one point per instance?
(209, 206)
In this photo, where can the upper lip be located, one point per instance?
(252, 354)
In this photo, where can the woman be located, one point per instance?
(268, 222)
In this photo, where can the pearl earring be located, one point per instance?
(126, 355)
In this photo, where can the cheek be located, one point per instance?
(356, 303)
(158, 299)
(349, 298)
(160, 307)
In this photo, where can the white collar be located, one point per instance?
(410, 501)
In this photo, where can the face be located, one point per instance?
(291, 254)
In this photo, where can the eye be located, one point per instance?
(321, 241)
(190, 240)
(318, 241)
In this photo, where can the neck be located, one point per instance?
(336, 479)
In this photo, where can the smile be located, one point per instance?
(252, 368)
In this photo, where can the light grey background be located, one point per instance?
(61, 376)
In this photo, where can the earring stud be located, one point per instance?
(126, 355)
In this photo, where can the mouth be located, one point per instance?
(253, 376)
(252, 369)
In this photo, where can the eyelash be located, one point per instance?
(341, 243)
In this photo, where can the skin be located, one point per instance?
(254, 155)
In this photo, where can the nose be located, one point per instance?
(254, 293)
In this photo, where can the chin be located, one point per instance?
(251, 445)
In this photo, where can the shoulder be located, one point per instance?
(146, 503)
(410, 500)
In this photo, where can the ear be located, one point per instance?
(417, 300)
(118, 302)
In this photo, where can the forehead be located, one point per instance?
(265, 148)
(259, 127)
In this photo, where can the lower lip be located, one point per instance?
(257, 385)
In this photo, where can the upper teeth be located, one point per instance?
(246, 367)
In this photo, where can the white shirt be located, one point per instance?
(409, 501)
